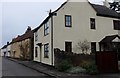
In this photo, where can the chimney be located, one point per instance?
(7, 43)
(50, 12)
(106, 3)
(28, 29)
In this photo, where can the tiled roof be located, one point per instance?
(104, 11)
(26, 35)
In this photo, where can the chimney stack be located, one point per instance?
(7, 43)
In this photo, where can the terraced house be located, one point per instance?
(22, 46)
(73, 22)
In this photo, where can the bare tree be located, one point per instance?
(83, 46)
(115, 6)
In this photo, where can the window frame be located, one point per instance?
(93, 43)
(66, 47)
(92, 23)
(46, 29)
(116, 24)
(46, 46)
(69, 22)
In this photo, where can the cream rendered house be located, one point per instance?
(22, 45)
(71, 23)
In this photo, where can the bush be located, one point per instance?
(76, 70)
(85, 63)
(63, 65)
(90, 67)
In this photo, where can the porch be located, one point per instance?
(108, 58)
(111, 43)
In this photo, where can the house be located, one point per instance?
(75, 22)
(21, 46)
(5, 50)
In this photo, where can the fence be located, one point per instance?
(107, 62)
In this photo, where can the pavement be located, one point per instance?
(51, 71)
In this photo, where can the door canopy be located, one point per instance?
(109, 39)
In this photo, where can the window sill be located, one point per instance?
(46, 57)
(68, 26)
(46, 34)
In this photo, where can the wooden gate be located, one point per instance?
(107, 62)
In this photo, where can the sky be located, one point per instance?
(17, 15)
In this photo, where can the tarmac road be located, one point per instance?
(10, 68)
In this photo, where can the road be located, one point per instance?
(10, 68)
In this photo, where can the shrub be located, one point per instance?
(76, 70)
(63, 65)
(85, 63)
(90, 67)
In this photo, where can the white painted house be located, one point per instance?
(5, 50)
(71, 23)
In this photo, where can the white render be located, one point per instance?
(2, 51)
(42, 39)
(80, 30)
(6, 50)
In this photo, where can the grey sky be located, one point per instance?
(16, 15)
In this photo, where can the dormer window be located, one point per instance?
(46, 29)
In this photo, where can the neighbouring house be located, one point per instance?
(22, 45)
(5, 50)
(75, 22)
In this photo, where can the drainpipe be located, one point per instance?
(52, 14)
(52, 39)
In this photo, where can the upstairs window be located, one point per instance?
(36, 36)
(116, 24)
(68, 21)
(92, 23)
(46, 50)
(46, 29)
